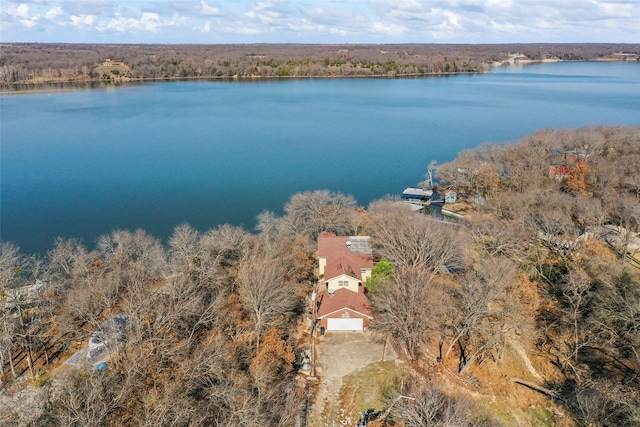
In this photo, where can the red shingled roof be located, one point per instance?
(341, 260)
(341, 299)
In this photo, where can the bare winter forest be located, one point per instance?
(526, 312)
(34, 63)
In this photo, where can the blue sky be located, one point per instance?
(320, 21)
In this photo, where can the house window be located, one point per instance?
(342, 283)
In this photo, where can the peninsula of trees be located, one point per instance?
(39, 63)
(525, 312)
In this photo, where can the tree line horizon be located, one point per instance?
(44, 63)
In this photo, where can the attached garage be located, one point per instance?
(344, 310)
(353, 324)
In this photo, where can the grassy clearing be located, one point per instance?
(115, 70)
(367, 387)
(541, 417)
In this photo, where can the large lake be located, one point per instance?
(152, 156)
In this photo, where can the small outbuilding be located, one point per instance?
(451, 197)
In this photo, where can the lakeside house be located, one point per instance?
(564, 161)
(111, 63)
(345, 263)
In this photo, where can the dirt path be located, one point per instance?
(523, 355)
(340, 354)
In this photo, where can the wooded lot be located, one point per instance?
(216, 319)
(37, 63)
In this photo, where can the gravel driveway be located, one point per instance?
(339, 354)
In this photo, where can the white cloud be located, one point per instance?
(22, 11)
(463, 21)
(500, 4)
(338, 31)
(410, 5)
(82, 20)
(305, 25)
(53, 13)
(390, 30)
(88, 7)
(616, 9)
(29, 22)
(209, 10)
(452, 18)
(17, 12)
(150, 21)
(240, 28)
(266, 13)
(120, 24)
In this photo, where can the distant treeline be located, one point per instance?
(26, 63)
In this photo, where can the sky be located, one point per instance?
(320, 21)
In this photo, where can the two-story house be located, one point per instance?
(345, 263)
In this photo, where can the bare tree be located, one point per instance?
(204, 257)
(265, 292)
(9, 265)
(68, 260)
(270, 226)
(487, 312)
(589, 213)
(184, 249)
(498, 238)
(139, 249)
(627, 216)
(410, 308)
(604, 403)
(431, 167)
(617, 313)
(426, 405)
(410, 240)
(11, 301)
(88, 398)
(313, 212)
(577, 294)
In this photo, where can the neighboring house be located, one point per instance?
(110, 334)
(111, 63)
(345, 263)
(24, 296)
(564, 161)
(450, 197)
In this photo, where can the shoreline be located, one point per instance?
(114, 83)
(98, 83)
(24, 92)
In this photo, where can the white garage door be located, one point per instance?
(344, 325)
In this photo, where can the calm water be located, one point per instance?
(80, 164)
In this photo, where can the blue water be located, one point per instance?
(152, 156)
